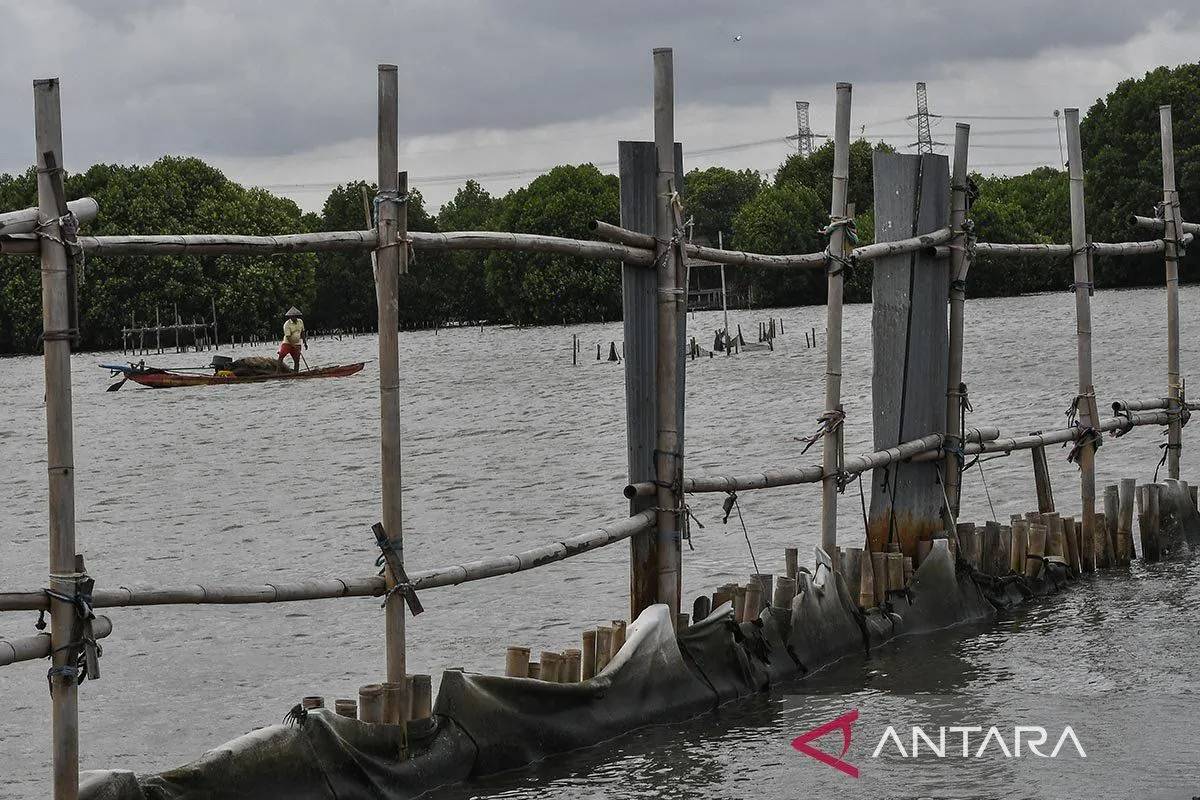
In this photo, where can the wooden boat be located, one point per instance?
(168, 379)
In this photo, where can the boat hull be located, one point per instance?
(173, 380)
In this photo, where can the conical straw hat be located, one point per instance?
(293, 312)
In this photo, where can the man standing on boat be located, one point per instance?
(294, 337)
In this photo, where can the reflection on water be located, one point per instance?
(506, 445)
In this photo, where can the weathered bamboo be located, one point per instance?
(529, 242)
(422, 696)
(1063, 250)
(754, 600)
(1035, 549)
(1171, 217)
(1125, 497)
(572, 658)
(393, 702)
(1112, 505)
(1152, 404)
(831, 441)
(968, 543)
(791, 561)
(671, 303)
(960, 265)
(85, 209)
(371, 586)
(991, 548)
(516, 661)
(766, 586)
(785, 592)
(391, 259)
(895, 571)
(1148, 520)
(646, 242)
(852, 569)
(59, 440)
(30, 648)
(604, 637)
(619, 627)
(551, 663)
(1160, 225)
(879, 576)
(346, 708)
(870, 252)
(1086, 399)
(587, 658)
(370, 703)
(866, 581)
(1020, 545)
(311, 702)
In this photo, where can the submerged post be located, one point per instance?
(391, 257)
(960, 264)
(1086, 399)
(60, 467)
(1171, 237)
(668, 458)
(831, 443)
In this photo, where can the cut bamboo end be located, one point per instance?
(791, 560)
(550, 662)
(572, 662)
(311, 702)
(618, 637)
(587, 663)
(753, 604)
(604, 639)
(785, 592)
(393, 703)
(739, 603)
(766, 587)
(370, 703)
(516, 662)
(1036, 549)
(682, 620)
(535, 670)
(422, 697)
(346, 708)
(866, 581)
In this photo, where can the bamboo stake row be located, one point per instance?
(373, 586)
(600, 646)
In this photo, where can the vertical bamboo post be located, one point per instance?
(831, 442)
(668, 458)
(391, 259)
(1124, 543)
(960, 264)
(587, 659)
(157, 331)
(59, 437)
(1112, 504)
(1083, 330)
(212, 302)
(1171, 214)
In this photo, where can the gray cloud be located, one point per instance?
(272, 78)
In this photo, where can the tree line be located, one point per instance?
(747, 212)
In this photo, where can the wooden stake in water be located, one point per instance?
(960, 264)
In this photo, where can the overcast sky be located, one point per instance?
(282, 94)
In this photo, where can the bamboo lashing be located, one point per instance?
(84, 209)
(31, 648)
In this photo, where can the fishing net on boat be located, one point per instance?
(257, 365)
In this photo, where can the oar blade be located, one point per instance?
(116, 385)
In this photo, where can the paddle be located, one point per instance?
(116, 385)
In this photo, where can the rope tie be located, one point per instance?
(83, 651)
(731, 504)
(389, 558)
(846, 225)
(828, 423)
(1087, 436)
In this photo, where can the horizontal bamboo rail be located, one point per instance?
(1064, 250)
(1058, 436)
(30, 648)
(371, 586)
(717, 255)
(1120, 406)
(85, 209)
(870, 252)
(204, 244)
(499, 240)
(1160, 226)
(812, 474)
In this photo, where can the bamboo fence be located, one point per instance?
(661, 249)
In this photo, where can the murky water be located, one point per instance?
(508, 445)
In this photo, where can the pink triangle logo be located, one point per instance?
(842, 724)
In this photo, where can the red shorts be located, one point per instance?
(288, 349)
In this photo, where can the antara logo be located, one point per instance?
(1024, 739)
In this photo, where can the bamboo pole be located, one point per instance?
(1041, 479)
(960, 265)
(1062, 250)
(870, 252)
(1160, 225)
(1171, 218)
(31, 648)
(1124, 544)
(1083, 328)
(85, 209)
(831, 442)
(668, 458)
(59, 438)
(391, 260)
(371, 586)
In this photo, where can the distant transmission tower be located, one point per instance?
(924, 135)
(804, 134)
